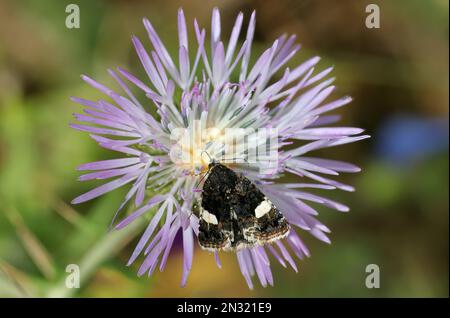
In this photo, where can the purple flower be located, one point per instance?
(197, 102)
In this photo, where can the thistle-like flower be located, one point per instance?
(216, 106)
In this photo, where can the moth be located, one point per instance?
(235, 214)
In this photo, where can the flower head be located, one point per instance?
(217, 106)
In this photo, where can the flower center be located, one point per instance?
(193, 149)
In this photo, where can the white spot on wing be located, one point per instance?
(209, 218)
(263, 208)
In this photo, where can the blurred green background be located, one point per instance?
(398, 76)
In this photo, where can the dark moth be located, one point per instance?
(234, 214)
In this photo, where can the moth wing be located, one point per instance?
(235, 214)
(260, 220)
(213, 235)
(216, 224)
(267, 228)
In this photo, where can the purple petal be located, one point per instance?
(332, 132)
(104, 131)
(319, 76)
(147, 234)
(107, 187)
(325, 120)
(218, 64)
(124, 87)
(135, 80)
(102, 122)
(276, 255)
(109, 164)
(215, 29)
(100, 175)
(244, 266)
(331, 106)
(133, 216)
(188, 250)
(298, 163)
(302, 69)
(286, 255)
(150, 261)
(184, 66)
(320, 235)
(85, 102)
(161, 50)
(102, 88)
(297, 245)
(334, 183)
(148, 66)
(333, 164)
(170, 238)
(260, 270)
(234, 38)
(217, 259)
(249, 40)
(182, 31)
